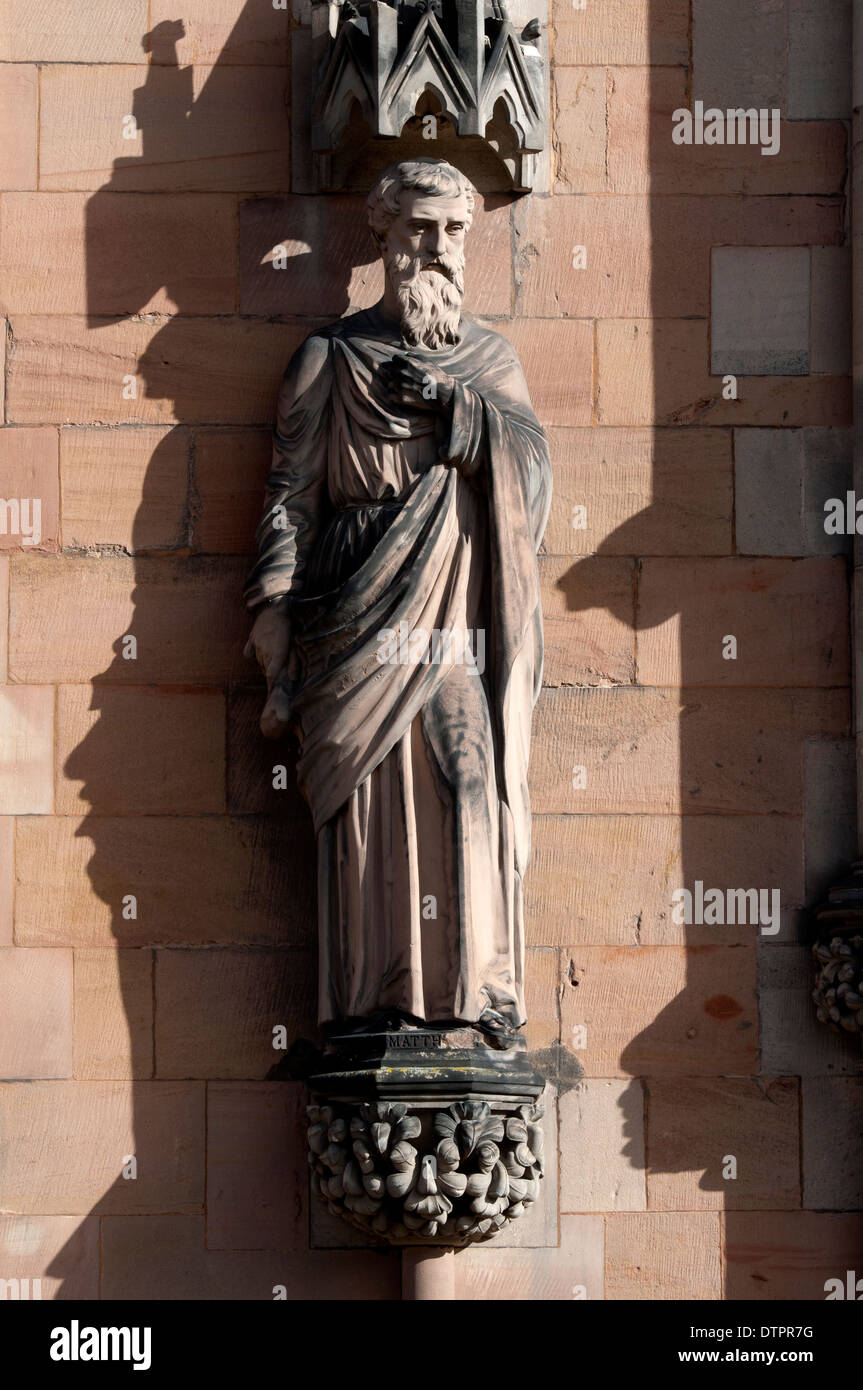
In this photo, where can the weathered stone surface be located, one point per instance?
(580, 97)
(793, 1042)
(230, 470)
(657, 372)
(113, 1014)
(124, 487)
(26, 750)
(602, 1147)
(187, 371)
(256, 1166)
(220, 31)
(60, 1251)
(622, 31)
(776, 1256)
(783, 478)
(751, 70)
(819, 43)
(36, 1007)
(132, 752)
(235, 137)
(748, 600)
(831, 309)
(68, 1142)
(830, 813)
(7, 877)
(654, 750)
(18, 112)
(164, 1257)
(643, 158)
(662, 1255)
(760, 310)
(660, 1010)
(575, 1270)
(609, 880)
(593, 646)
(832, 1120)
(30, 502)
(164, 253)
(74, 31)
(197, 880)
(645, 492)
(70, 618)
(205, 1029)
(697, 1125)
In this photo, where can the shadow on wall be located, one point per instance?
(183, 813)
(721, 353)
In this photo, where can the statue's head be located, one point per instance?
(419, 213)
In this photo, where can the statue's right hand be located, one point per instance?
(269, 641)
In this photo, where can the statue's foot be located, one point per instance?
(497, 1030)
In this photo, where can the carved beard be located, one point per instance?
(429, 301)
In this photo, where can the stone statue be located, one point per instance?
(398, 622)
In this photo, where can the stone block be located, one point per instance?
(602, 1147)
(205, 129)
(557, 360)
(140, 751)
(71, 619)
(164, 1257)
(645, 492)
(580, 97)
(663, 1256)
(832, 1123)
(830, 814)
(113, 1015)
(656, 372)
(74, 31)
(783, 479)
(29, 476)
(661, 1010)
(593, 646)
(27, 750)
(819, 60)
(124, 487)
(216, 1010)
(257, 1175)
(793, 1042)
(749, 601)
(230, 470)
(197, 881)
(188, 371)
(68, 1142)
(223, 32)
(490, 1273)
(788, 1255)
(698, 1126)
(62, 1252)
(831, 308)
(19, 104)
(65, 253)
(36, 1007)
(622, 31)
(760, 310)
(738, 52)
(649, 751)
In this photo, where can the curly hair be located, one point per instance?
(433, 176)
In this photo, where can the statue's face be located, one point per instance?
(429, 228)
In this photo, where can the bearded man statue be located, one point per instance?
(398, 622)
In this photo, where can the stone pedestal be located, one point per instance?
(425, 1135)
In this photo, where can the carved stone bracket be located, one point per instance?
(377, 62)
(838, 951)
(403, 1145)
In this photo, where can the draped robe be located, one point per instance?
(415, 770)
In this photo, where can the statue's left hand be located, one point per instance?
(412, 382)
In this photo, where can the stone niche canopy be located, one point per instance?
(454, 79)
